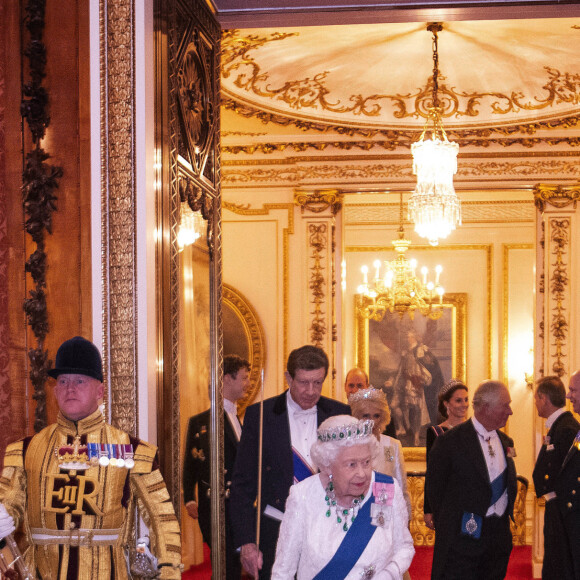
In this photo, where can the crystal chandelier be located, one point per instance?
(434, 208)
(399, 290)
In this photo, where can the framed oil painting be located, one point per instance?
(410, 360)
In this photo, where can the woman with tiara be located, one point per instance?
(346, 522)
(371, 403)
(453, 406)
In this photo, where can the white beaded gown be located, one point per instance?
(390, 461)
(308, 539)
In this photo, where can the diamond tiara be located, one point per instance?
(357, 430)
(369, 394)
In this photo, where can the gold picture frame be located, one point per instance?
(378, 348)
(242, 328)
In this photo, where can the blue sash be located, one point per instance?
(301, 469)
(498, 486)
(354, 541)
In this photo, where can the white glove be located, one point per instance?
(6, 523)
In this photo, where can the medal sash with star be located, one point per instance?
(302, 469)
(573, 449)
(354, 542)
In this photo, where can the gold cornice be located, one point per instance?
(393, 144)
(246, 210)
(404, 157)
(319, 201)
(558, 196)
(248, 111)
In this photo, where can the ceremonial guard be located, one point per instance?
(74, 486)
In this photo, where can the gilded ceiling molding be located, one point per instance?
(319, 201)
(118, 198)
(393, 144)
(559, 282)
(558, 196)
(247, 111)
(39, 184)
(246, 210)
(526, 169)
(312, 92)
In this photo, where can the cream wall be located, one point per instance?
(490, 258)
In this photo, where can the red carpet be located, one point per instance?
(520, 566)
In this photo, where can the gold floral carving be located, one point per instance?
(312, 92)
(422, 535)
(318, 244)
(559, 282)
(119, 202)
(559, 196)
(319, 201)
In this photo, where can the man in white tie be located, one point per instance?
(471, 482)
(290, 421)
(196, 465)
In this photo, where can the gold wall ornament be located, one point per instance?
(318, 245)
(559, 281)
(118, 199)
(558, 196)
(319, 201)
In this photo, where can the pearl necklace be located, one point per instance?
(341, 513)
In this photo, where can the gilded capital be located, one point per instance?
(558, 196)
(319, 201)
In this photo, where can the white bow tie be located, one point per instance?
(305, 412)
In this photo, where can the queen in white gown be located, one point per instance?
(347, 522)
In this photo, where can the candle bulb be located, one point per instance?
(377, 265)
(364, 271)
(438, 270)
(424, 272)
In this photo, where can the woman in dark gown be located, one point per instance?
(453, 405)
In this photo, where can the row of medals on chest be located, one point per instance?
(80, 457)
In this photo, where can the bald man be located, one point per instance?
(567, 488)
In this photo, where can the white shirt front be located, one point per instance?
(552, 418)
(496, 463)
(303, 425)
(232, 414)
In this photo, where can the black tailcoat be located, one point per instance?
(277, 471)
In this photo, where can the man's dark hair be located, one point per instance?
(308, 358)
(553, 387)
(233, 363)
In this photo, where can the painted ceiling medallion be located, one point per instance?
(375, 75)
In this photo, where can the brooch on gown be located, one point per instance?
(368, 572)
(382, 507)
(389, 454)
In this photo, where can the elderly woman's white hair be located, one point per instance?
(339, 432)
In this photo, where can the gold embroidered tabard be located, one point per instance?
(76, 518)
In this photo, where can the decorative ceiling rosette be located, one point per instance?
(499, 75)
